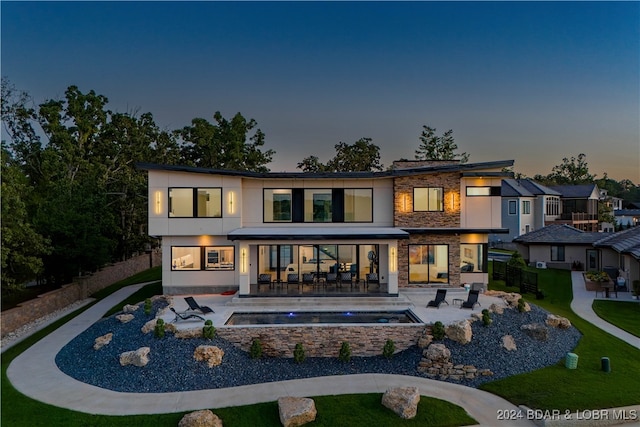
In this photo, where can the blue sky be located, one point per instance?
(533, 82)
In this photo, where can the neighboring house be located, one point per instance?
(611, 204)
(579, 206)
(527, 206)
(420, 224)
(627, 217)
(560, 246)
(621, 251)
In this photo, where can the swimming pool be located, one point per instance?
(318, 317)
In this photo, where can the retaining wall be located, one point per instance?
(81, 288)
(324, 340)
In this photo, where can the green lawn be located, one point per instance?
(556, 387)
(624, 314)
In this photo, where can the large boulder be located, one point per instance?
(125, 318)
(437, 353)
(459, 331)
(102, 341)
(210, 354)
(508, 343)
(536, 331)
(555, 321)
(204, 418)
(188, 333)
(403, 401)
(149, 326)
(296, 411)
(128, 308)
(139, 357)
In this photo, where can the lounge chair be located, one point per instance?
(193, 305)
(331, 279)
(308, 279)
(184, 316)
(372, 278)
(346, 278)
(264, 279)
(472, 300)
(440, 298)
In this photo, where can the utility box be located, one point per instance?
(571, 362)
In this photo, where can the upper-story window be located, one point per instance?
(428, 199)
(553, 206)
(526, 207)
(513, 207)
(318, 205)
(195, 202)
(277, 205)
(483, 191)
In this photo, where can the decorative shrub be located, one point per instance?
(158, 330)
(298, 353)
(147, 306)
(209, 331)
(597, 276)
(521, 305)
(486, 317)
(388, 349)
(437, 330)
(256, 350)
(516, 260)
(345, 352)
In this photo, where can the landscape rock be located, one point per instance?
(129, 308)
(495, 308)
(437, 353)
(139, 357)
(188, 333)
(125, 318)
(425, 340)
(296, 411)
(148, 327)
(555, 321)
(403, 401)
(508, 343)
(210, 354)
(102, 341)
(204, 418)
(459, 331)
(536, 331)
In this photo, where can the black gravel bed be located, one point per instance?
(172, 367)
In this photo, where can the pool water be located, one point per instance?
(312, 317)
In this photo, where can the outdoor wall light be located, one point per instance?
(230, 201)
(158, 209)
(393, 260)
(243, 260)
(404, 202)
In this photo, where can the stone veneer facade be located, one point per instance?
(324, 341)
(404, 216)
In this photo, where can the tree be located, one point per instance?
(361, 156)
(571, 171)
(434, 147)
(225, 144)
(22, 246)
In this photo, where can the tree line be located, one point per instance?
(73, 200)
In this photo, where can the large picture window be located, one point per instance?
(219, 257)
(428, 264)
(185, 258)
(195, 202)
(428, 199)
(277, 205)
(358, 205)
(472, 258)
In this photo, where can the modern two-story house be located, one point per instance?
(420, 224)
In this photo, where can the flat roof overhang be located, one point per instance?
(456, 230)
(317, 233)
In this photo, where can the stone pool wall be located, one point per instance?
(325, 340)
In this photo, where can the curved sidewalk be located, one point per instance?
(582, 305)
(35, 374)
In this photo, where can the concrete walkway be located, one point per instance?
(35, 374)
(582, 302)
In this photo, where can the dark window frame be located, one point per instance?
(194, 200)
(428, 207)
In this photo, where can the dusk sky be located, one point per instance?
(533, 82)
